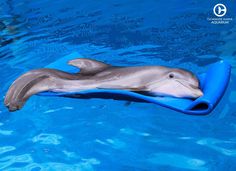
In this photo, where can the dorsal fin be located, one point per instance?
(88, 66)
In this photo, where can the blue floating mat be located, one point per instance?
(213, 84)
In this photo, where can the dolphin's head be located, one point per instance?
(178, 83)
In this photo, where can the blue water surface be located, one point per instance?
(55, 133)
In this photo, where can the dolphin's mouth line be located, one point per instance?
(189, 86)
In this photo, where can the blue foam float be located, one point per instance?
(213, 83)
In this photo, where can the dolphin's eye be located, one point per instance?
(171, 75)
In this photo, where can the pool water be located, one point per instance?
(54, 133)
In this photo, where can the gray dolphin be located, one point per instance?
(156, 80)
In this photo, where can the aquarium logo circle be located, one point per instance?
(219, 10)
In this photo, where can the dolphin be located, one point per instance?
(155, 80)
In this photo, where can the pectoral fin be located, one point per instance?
(88, 66)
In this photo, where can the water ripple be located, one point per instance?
(177, 161)
(47, 139)
(5, 132)
(6, 149)
(215, 144)
(58, 109)
(8, 161)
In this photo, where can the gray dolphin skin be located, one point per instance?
(156, 80)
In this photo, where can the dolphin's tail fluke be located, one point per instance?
(25, 86)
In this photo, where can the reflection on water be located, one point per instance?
(178, 161)
(216, 145)
(47, 139)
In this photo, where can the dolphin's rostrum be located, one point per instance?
(156, 80)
